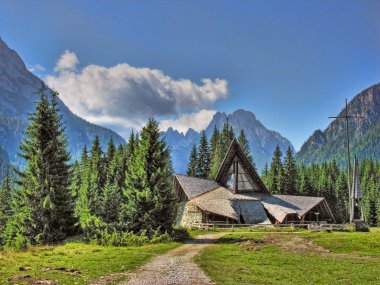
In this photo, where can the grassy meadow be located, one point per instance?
(294, 258)
(75, 262)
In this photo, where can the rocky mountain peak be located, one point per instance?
(10, 61)
(261, 140)
(330, 143)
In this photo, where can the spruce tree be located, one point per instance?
(111, 202)
(226, 137)
(203, 163)
(264, 174)
(82, 197)
(193, 161)
(76, 180)
(121, 166)
(5, 203)
(131, 146)
(46, 199)
(275, 179)
(150, 199)
(216, 161)
(243, 142)
(304, 185)
(290, 174)
(341, 209)
(214, 141)
(97, 177)
(110, 151)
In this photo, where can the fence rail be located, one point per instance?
(310, 226)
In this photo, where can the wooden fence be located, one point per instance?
(309, 226)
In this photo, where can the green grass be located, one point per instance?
(92, 261)
(231, 263)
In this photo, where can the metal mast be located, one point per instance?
(346, 116)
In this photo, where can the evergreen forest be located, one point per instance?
(117, 196)
(284, 176)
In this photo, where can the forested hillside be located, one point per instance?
(364, 133)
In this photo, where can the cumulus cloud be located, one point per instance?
(126, 96)
(37, 68)
(197, 121)
(67, 62)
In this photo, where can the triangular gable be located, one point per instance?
(236, 160)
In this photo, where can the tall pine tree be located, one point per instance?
(243, 142)
(149, 194)
(5, 203)
(45, 202)
(290, 174)
(203, 163)
(275, 179)
(214, 141)
(193, 161)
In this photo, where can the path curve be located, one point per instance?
(176, 266)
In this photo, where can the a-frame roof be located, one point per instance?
(235, 150)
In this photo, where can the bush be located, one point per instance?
(19, 242)
(180, 234)
(92, 227)
(115, 238)
(361, 227)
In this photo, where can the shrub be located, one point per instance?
(19, 242)
(180, 234)
(361, 227)
(115, 238)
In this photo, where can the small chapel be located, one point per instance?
(238, 196)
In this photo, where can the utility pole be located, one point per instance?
(346, 117)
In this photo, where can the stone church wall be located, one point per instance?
(188, 214)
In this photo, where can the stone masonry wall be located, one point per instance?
(188, 214)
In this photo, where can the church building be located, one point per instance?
(238, 196)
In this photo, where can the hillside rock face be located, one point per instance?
(364, 133)
(17, 85)
(262, 141)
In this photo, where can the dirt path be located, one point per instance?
(176, 266)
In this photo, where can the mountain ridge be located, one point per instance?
(262, 141)
(17, 99)
(331, 142)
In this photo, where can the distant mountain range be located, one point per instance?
(364, 133)
(262, 141)
(17, 85)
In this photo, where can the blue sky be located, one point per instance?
(292, 63)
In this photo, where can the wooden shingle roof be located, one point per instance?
(194, 186)
(279, 206)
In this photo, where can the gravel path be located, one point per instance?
(176, 266)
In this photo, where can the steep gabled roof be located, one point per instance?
(194, 186)
(235, 150)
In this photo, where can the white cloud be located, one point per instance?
(197, 121)
(36, 68)
(126, 96)
(67, 62)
